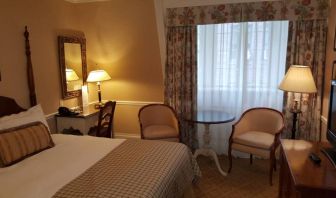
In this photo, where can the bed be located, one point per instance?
(84, 166)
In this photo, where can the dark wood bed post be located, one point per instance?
(30, 73)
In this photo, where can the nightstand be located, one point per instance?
(82, 122)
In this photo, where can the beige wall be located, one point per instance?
(331, 56)
(45, 20)
(121, 38)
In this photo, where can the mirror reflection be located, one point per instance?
(73, 64)
(72, 57)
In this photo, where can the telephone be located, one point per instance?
(64, 111)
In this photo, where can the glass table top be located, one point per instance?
(211, 117)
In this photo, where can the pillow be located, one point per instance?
(20, 142)
(33, 114)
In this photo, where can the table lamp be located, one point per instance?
(98, 76)
(70, 75)
(298, 79)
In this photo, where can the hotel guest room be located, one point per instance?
(167, 98)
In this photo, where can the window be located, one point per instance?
(240, 66)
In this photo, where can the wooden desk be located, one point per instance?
(299, 176)
(83, 121)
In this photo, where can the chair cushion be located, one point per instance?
(159, 132)
(255, 139)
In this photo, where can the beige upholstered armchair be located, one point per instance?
(159, 122)
(258, 133)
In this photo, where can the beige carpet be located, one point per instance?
(245, 180)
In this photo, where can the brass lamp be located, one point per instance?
(298, 79)
(98, 76)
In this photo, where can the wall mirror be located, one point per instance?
(73, 69)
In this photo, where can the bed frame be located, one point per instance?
(30, 72)
(8, 105)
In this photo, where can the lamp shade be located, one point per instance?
(71, 75)
(98, 76)
(298, 79)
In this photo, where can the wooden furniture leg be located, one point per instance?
(230, 157)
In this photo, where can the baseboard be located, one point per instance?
(126, 135)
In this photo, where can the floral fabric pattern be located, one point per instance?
(263, 11)
(224, 13)
(180, 79)
(306, 9)
(306, 46)
(292, 10)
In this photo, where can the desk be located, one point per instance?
(207, 118)
(83, 121)
(299, 176)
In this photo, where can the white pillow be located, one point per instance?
(31, 115)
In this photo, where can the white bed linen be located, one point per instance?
(43, 174)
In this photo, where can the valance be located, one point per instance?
(292, 10)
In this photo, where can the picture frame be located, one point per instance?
(333, 77)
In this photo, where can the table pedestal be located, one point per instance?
(207, 150)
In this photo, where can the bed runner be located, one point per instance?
(137, 168)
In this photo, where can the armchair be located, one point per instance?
(159, 122)
(258, 133)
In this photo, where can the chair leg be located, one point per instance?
(251, 158)
(272, 157)
(230, 158)
(275, 166)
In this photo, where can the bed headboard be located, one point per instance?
(9, 106)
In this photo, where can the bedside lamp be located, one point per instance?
(298, 79)
(98, 76)
(71, 75)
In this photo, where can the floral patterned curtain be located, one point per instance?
(306, 46)
(292, 10)
(180, 79)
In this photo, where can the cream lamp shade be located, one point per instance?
(71, 75)
(298, 79)
(98, 76)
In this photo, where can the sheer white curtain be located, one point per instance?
(240, 66)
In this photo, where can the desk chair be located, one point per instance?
(104, 126)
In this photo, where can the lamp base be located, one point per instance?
(99, 105)
(295, 114)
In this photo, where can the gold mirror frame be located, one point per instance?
(76, 40)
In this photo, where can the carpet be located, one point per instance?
(244, 181)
